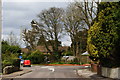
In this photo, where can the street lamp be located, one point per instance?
(0, 34)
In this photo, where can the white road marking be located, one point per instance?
(86, 66)
(52, 69)
(49, 68)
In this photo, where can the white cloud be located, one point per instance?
(4, 37)
(40, 0)
(53, 0)
(66, 43)
(20, 14)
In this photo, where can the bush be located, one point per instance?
(25, 55)
(6, 48)
(10, 60)
(103, 36)
(10, 55)
(6, 63)
(16, 62)
(67, 53)
(36, 57)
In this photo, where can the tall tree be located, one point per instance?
(13, 40)
(79, 17)
(51, 29)
(47, 29)
(89, 10)
(73, 25)
(31, 37)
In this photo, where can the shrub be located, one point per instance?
(6, 48)
(67, 53)
(10, 60)
(10, 55)
(36, 57)
(103, 36)
(25, 55)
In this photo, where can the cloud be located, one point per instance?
(40, 0)
(17, 14)
(66, 43)
(4, 37)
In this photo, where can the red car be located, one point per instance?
(27, 63)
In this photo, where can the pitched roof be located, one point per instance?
(25, 50)
(44, 50)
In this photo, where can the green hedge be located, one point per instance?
(10, 60)
(36, 57)
(6, 48)
(67, 53)
(104, 35)
(10, 55)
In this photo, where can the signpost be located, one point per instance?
(20, 57)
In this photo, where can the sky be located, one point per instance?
(18, 15)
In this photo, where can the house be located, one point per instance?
(44, 50)
(85, 57)
(24, 50)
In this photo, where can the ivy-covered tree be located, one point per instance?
(104, 35)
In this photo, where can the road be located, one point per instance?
(51, 72)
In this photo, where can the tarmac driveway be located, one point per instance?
(51, 72)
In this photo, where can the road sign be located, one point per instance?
(20, 57)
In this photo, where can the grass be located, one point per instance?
(61, 63)
(64, 63)
(57, 63)
(40, 64)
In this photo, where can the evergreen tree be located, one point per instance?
(104, 35)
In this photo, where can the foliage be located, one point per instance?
(47, 31)
(67, 53)
(51, 27)
(10, 55)
(15, 49)
(103, 36)
(12, 39)
(6, 48)
(25, 55)
(9, 59)
(36, 57)
(75, 27)
(65, 63)
(30, 37)
(80, 42)
(89, 10)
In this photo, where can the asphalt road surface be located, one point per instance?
(51, 72)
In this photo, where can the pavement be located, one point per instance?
(63, 72)
(86, 73)
(51, 72)
(45, 72)
(18, 73)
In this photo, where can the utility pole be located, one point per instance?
(0, 34)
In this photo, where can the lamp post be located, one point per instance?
(0, 34)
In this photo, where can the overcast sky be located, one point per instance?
(17, 14)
